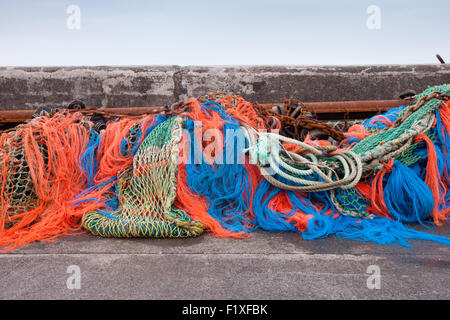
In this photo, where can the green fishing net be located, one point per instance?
(18, 184)
(147, 191)
(397, 143)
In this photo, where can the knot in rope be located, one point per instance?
(388, 165)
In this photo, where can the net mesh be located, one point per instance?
(147, 191)
(373, 145)
(18, 185)
(39, 177)
(57, 173)
(403, 151)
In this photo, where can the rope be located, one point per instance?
(265, 149)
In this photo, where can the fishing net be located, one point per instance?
(126, 178)
(17, 183)
(396, 142)
(147, 191)
(40, 177)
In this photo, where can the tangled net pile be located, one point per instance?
(215, 163)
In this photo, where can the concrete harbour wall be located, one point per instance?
(32, 87)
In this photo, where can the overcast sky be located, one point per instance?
(232, 32)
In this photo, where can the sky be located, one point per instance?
(231, 32)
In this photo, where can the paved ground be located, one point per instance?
(265, 266)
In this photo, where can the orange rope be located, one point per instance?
(377, 198)
(434, 181)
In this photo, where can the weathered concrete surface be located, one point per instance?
(31, 87)
(265, 266)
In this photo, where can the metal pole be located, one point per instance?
(344, 107)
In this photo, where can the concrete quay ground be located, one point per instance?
(264, 266)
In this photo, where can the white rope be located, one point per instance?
(267, 152)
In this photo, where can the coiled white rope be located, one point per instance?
(267, 152)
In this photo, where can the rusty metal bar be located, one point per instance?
(351, 106)
(343, 107)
